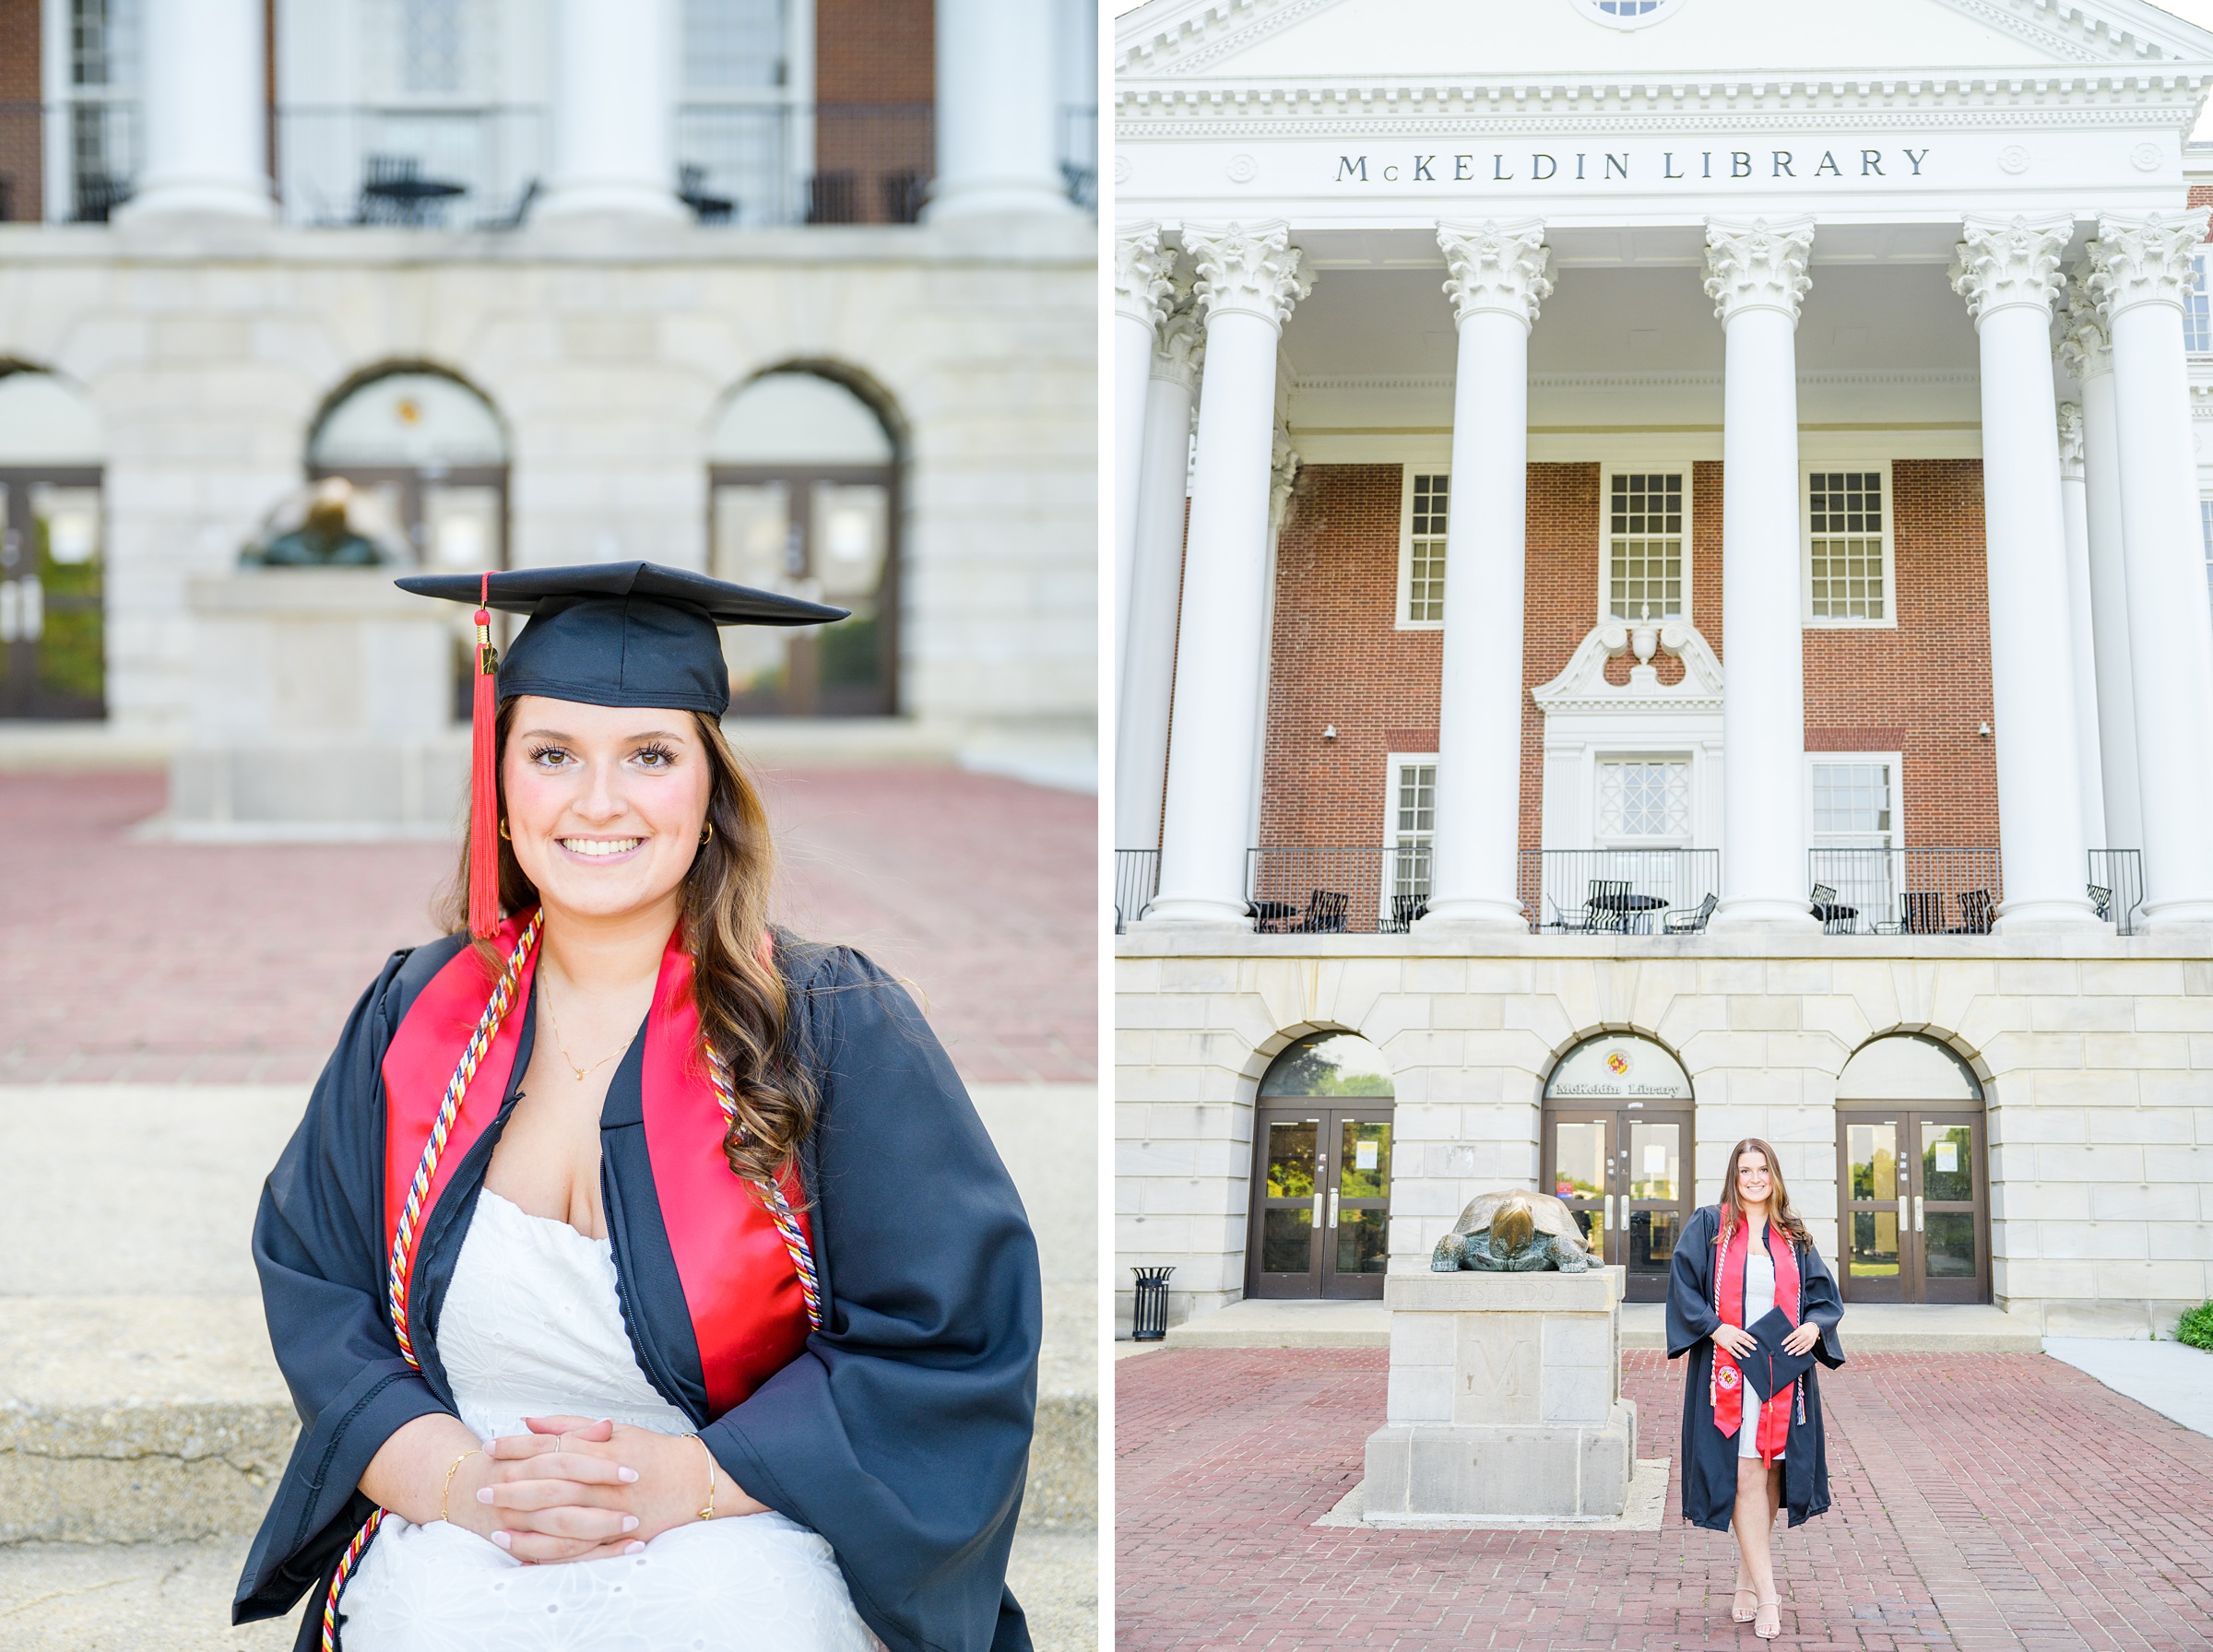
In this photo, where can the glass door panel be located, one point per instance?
(1649, 1181)
(1289, 1201)
(1877, 1262)
(1580, 1156)
(1949, 1205)
(1359, 1206)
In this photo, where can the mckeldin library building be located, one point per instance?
(1662, 558)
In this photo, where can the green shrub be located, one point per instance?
(2195, 1327)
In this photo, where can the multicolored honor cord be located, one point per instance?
(772, 1196)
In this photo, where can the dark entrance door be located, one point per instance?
(52, 608)
(1620, 1169)
(1321, 1203)
(1913, 1205)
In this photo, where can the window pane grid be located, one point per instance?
(1644, 538)
(1426, 560)
(1844, 511)
(1852, 799)
(1644, 799)
(2197, 313)
(1416, 815)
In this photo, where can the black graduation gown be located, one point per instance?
(902, 1433)
(1709, 1455)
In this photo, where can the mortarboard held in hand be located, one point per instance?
(599, 633)
(1769, 1367)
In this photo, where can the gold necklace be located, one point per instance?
(555, 1021)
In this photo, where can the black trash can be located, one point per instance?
(1150, 1323)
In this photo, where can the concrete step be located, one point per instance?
(109, 1598)
(1869, 1327)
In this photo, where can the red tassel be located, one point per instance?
(483, 782)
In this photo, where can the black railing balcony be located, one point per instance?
(1620, 892)
(71, 162)
(1352, 890)
(1136, 882)
(1080, 154)
(426, 167)
(2116, 886)
(755, 164)
(1905, 891)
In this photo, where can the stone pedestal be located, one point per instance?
(322, 704)
(1505, 1399)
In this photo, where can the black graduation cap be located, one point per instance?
(1769, 1367)
(599, 633)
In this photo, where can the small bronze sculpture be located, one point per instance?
(1513, 1232)
(325, 539)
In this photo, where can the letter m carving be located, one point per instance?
(1348, 167)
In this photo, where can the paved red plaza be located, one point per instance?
(127, 959)
(1977, 1501)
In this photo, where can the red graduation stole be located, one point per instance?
(748, 1307)
(1726, 1385)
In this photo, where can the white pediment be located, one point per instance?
(1274, 41)
(1582, 690)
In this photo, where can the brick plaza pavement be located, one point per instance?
(1978, 1501)
(162, 961)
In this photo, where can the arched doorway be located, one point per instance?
(1912, 1175)
(1321, 1221)
(1618, 1140)
(432, 450)
(52, 612)
(803, 485)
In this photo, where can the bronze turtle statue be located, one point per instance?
(1513, 1232)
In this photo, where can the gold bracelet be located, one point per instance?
(448, 1492)
(708, 1513)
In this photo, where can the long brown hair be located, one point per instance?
(1779, 1207)
(744, 1006)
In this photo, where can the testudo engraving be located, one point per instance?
(1513, 1232)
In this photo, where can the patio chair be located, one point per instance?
(2102, 901)
(1562, 920)
(1974, 912)
(1325, 914)
(1405, 912)
(692, 190)
(1692, 922)
(1606, 906)
(1923, 910)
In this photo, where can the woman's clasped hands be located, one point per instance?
(1739, 1341)
(578, 1488)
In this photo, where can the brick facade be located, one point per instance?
(874, 75)
(1338, 659)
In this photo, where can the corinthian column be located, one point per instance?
(1496, 281)
(1141, 736)
(2140, 273)
(2082, 641)
(1248, 282)
(2085, 352)
(2007, 270)
(1756, 275)
(1141, 290)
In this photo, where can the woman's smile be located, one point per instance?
(600, 848)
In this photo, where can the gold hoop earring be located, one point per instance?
(503, 830)
(706, 834)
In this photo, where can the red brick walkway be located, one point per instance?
(121, 960)
(1977, 1501)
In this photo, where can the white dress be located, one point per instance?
(1759, 1298)
(532, 1324)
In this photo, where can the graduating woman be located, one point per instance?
(1751, 1409)
(644, 1278)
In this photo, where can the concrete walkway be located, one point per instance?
(1869, 1327)
(2171, 1378)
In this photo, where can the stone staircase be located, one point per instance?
(143, 1421)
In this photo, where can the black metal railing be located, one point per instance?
(1905, 891)
(1080, 154)
(1619, 891)
(759, 164)
(429, 168)
(1136, 882)
(1341, 891)
(2116, 886)
(69, 162)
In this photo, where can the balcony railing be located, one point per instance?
(1348, 890)
(1906, 892)
(68, 162)
(1619, 891)
(414, 167)
(1136, 882)
(1080, 154)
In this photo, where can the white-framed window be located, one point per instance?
(1644, 544)
(1409, 826)
(2197, 313)
(2204, 525)
(1643, 802)
(1629, 14)
(1424, 497)
(1850, 565)
(1854, 828)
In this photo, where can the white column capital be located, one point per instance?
(1142, 268)
(1503, 267)
(2085, 348)
(1252, 270)
(1179, 354)
(2001, 263)
(1758, 265)
(2144, 259)
(2070, 442)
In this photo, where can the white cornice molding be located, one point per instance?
(1582, 688)
(1847, 379)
